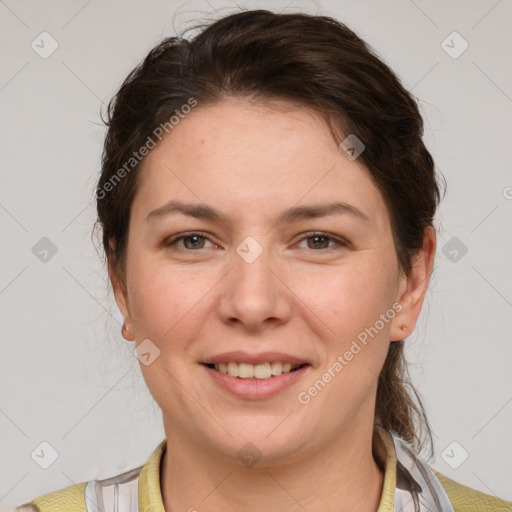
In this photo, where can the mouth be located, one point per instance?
(255, 382)
(262, 371)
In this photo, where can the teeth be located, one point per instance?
(276, 368)
(246, 371)
(258, 371)
(233, 369)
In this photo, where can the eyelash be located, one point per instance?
(321, 234)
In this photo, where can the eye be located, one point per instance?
(321, 240)
(196, 240)
(191, 240)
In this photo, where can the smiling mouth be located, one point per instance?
(261, 371)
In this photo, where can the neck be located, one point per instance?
(343, 476)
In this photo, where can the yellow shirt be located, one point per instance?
(71, 499)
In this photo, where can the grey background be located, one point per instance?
(67, 375)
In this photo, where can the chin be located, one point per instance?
(267, 440)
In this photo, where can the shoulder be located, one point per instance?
(466, 499)
(117, 492)
(70, 498)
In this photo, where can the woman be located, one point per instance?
(266, 204)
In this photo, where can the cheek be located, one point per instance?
(167, 302)
(350, 301)
(169, 309)
(350, 297)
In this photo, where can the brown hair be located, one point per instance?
(308, 61)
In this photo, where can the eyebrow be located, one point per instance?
(203, 211)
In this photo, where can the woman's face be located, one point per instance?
(259, 281)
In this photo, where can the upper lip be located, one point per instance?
(262, 357)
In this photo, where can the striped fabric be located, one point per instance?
(138, 490)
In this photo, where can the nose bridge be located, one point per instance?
(252, 278)
(253, 292)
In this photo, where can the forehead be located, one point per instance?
(245, 157)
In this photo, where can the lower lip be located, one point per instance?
(256, 389)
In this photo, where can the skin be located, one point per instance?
(301, 296)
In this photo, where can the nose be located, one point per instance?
(255, 294)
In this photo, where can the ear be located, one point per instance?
(412, 288)
(121, 297)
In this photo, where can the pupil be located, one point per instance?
(317, 239)
(194, 237)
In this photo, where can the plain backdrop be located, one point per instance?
(69, 379)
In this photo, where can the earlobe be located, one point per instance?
(126, 332)
(413, 288)
(120, 296)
